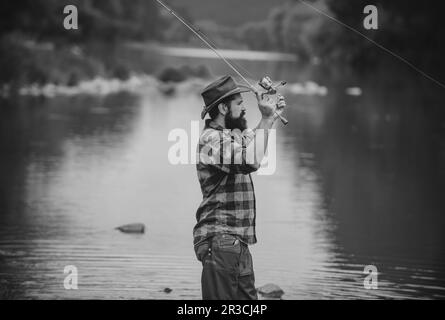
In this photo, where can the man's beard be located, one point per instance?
(235, 123)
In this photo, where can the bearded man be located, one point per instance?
(226, 216)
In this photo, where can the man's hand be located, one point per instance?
(281, 103)
(268, 107)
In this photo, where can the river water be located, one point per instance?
(359, 181)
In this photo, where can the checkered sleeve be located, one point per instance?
(227, 151)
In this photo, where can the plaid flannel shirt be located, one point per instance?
(228, 204)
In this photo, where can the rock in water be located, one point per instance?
(132, 228)
(271, 290)
(167, 290)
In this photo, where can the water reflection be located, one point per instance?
(381, 180)
(358, 182)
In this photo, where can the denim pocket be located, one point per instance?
(227, 243)
(202, 250)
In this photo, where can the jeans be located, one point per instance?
(227, 269)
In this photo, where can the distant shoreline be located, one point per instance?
(190, 52)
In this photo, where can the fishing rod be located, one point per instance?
(266, 83)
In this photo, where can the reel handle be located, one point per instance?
(283, 119)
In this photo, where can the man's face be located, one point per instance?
(234, 119)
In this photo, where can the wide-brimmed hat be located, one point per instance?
(218, 90)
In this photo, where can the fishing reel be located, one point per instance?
(267, 84)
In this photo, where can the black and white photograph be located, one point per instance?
(222, 150)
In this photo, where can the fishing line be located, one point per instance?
(207, 43)
(216, 47)
(375, 43)
(265, 82)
